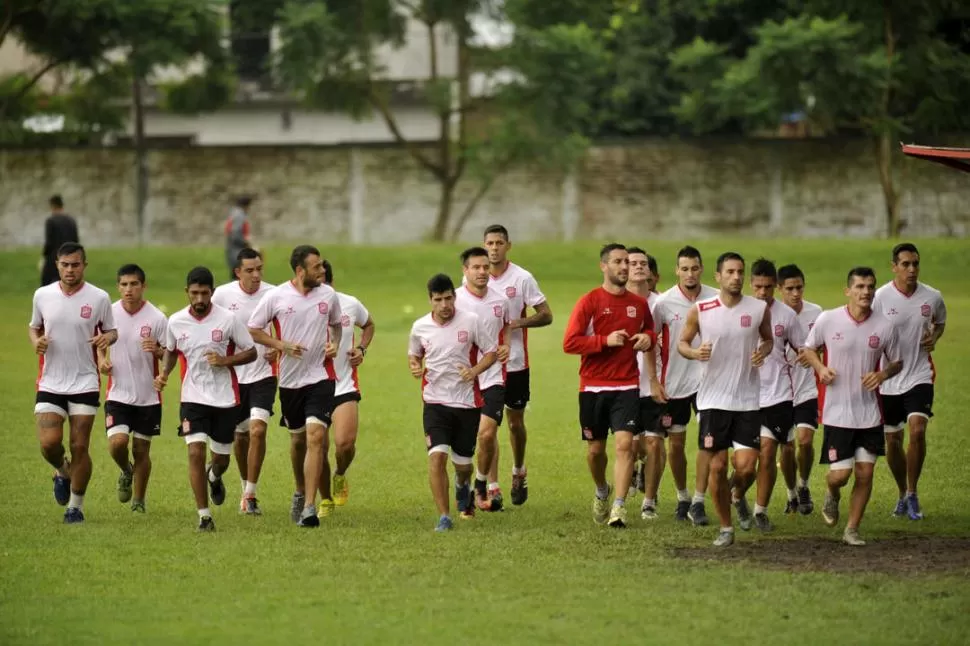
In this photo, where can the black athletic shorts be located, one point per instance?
(840, 443)
(64, 401)
(218, 423)
(918, 400)
(352, 396)
(721, 429)
(453, 427)
(312, 400)
(806, 414)
(517, 389)
(779, 420)
(609, 410)
(144, 420)
(679, 410)
(494, 406)
(649, 420)
(258, 394)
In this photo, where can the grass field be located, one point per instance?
(542, 573)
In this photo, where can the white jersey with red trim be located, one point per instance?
(445, 349)
(523, 292)
(652, 299)
(803, 378)
(777, 385)
(912, 316)
(304, 319)
(242, 304)
(132, 378)
(353, 315)
(852, 349)
(69, 367)
(729, 381)
(681, 377)
(493, 312)
(218, 331)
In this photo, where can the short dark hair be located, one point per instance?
(440, 284)
(728, 255)
(300, 254)
(690, 252)
(610, 248)
(904, 247)
(247, 253)
(788, 272)
(132, 270)
(472, 252)
(56, 201)
(200, 276)
(69, 248)
(651, 261)
(496, 228)
(764, 268)
(243, 201)
(327, 272)
(861, 272)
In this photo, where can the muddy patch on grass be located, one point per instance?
(910, 556)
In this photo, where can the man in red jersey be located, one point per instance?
(608, 327)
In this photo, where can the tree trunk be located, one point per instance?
(141, 157)
(444, 210)
(887, 181)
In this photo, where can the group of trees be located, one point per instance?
(570, 71)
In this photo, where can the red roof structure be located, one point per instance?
(958, 158)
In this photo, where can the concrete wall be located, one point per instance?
(377, 195)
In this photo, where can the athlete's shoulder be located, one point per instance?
(97, 292)
(226, 288)
(422, 322)
(346, 300)
(180, 316)
(931, 291)
(781, 309)
(707, 292)
(811, 309)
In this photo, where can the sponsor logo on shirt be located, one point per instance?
(217, 336)
(837, 336)
(145, 332)
(510, 291)
(323, 308)
(234, 307)
(892, 312)
(497, 311)
(462, 336)
(631, 311)
(925, 310)
(183, 337)
(745, 320)
(779, 330)
(709, 305)
(86, 311)
(874, 341)
(345, 321)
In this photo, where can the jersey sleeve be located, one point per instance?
(816, 337)
(36, 318)
(658, 316)
(106, 316)
(486, 341)
(264, 312)
(891, 350)
(531, 294)
(575, 340)
(362, 315)
(170, 342)
(335, 311)
(160, 329)
(415, 349)
(240, 335)
(939, 311)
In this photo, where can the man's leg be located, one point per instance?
(141, 453)
(804, 458)
(50, 436)
(861, 492)
(656, 459)
(915, 457)
(596, 460)
(486, 460)
(254, 458)
(197, 476)
(345, 425)
(517, 438)
(896, 459)
(677, 458)
(766, 478)
(745, 472)
(326, 494)
(118, 448)
(720, 491)
(438, 477)
(240, 449)
(81, 466)
(622, 474)
(312, 468)
(835, 479)
(697, 513)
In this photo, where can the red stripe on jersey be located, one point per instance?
(183, 365)
(231, 350)
(932, 368)
(40, 371)
(155, 374)
(664, 352)
(353, 376)
(821, 386)
(505, 366)
(525, 339)
(275, 366)
(472, 356)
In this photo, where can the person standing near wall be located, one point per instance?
(58, 229)
(237, 233)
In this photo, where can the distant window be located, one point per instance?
(249, 40)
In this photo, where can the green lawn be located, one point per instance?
(376, 573)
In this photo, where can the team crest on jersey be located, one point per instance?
(631, 311)
(925, 310)
(462, 336)
(837, 336)
(86, 311)
(217, 336)
(510, 291)
(497, 311)
(145, 332)
(345, 321)
(779, 330)
(745, 320)
(874, 341)
(323, 308)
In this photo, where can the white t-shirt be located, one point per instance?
(729, 381)
(803, 378)
(353, 315)
(302, 319)
(523, 292)
(446, 348)
(775, 374)
(652, 299)
(493, 312)
(132, 379)
(912, 316)
(242, 304)
(219, 331)
(69, 367)
(852, 348)
(681, 377)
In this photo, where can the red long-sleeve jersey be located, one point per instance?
(595, 316)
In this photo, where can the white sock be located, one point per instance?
(493, 486)
(802, 482)
(619, 502)
(683, 495)
(480, 476)
(204, 512)
(650, 502)
(758, 509)
(518, 471)
(603, 492)
(212, 475)
(729, 530)
(792, 494)
(76, 501)
(698, 498)
(249, 488)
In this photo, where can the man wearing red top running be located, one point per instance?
(608, 327)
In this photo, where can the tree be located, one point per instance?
(539, 85)
(881, 69)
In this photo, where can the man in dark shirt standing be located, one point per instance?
(58, 229)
